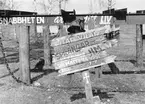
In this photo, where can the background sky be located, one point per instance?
(81, 6)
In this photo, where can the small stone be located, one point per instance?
(48, 89)
(36, 84)
(108, 100)
(97, 100)
(59, 85)
(117, 88)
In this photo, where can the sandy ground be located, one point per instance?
(127, 87)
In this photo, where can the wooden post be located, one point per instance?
(88, 87)
(17, 31)
(139, 46)
(35, 29)
(24, 53)
(98, 72)
(47, 50)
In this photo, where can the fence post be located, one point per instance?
(24, 53)
(35, 29)
(139, 46)
(47, 50)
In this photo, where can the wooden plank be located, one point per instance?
(97, 19)
(79, 59)
(77, 46)
(79, 36)
(91, 49)
(88, 87)
(99, 47)
(139, 46)
(46, 40)
(86, 65)
(135, 19)
(57, 19)
(24, 53)
(53, 19)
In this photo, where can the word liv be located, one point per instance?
(105, 20)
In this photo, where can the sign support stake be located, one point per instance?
(88, 87)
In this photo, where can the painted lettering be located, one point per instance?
(14, 20)
(87, 50)
(86, 65)
(24, 20)
(75, 47)
(78, 36)
(87, 18)
(58, 20)
(28, 20)
(19, 20)
(33, 19)
(105, 20)
(80, 59)
(40, 20)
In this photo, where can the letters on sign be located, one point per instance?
(58, 19)
(86, 65)
(79, 36)
(79, 59)
(87, 54)
(19, 20)
(76, 46)
(54, 20)
(81, 51)
(90, 49)
(97, 19)
(105, 20)
(87, 18)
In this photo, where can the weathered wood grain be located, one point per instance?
(86, 65)
(87, 50)
(79, 36)
(76, 46)
(79, 59)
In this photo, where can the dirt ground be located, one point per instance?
(127, 87)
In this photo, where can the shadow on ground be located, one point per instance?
(102, 95)
(39, 68)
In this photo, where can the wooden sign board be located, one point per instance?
(79, 59)
(76, 46)
(98, 19)
(57, 19)
(79, 36)
(80, 51)
(86, 65)
(84, 42)
(86, 51)
(52, 19)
